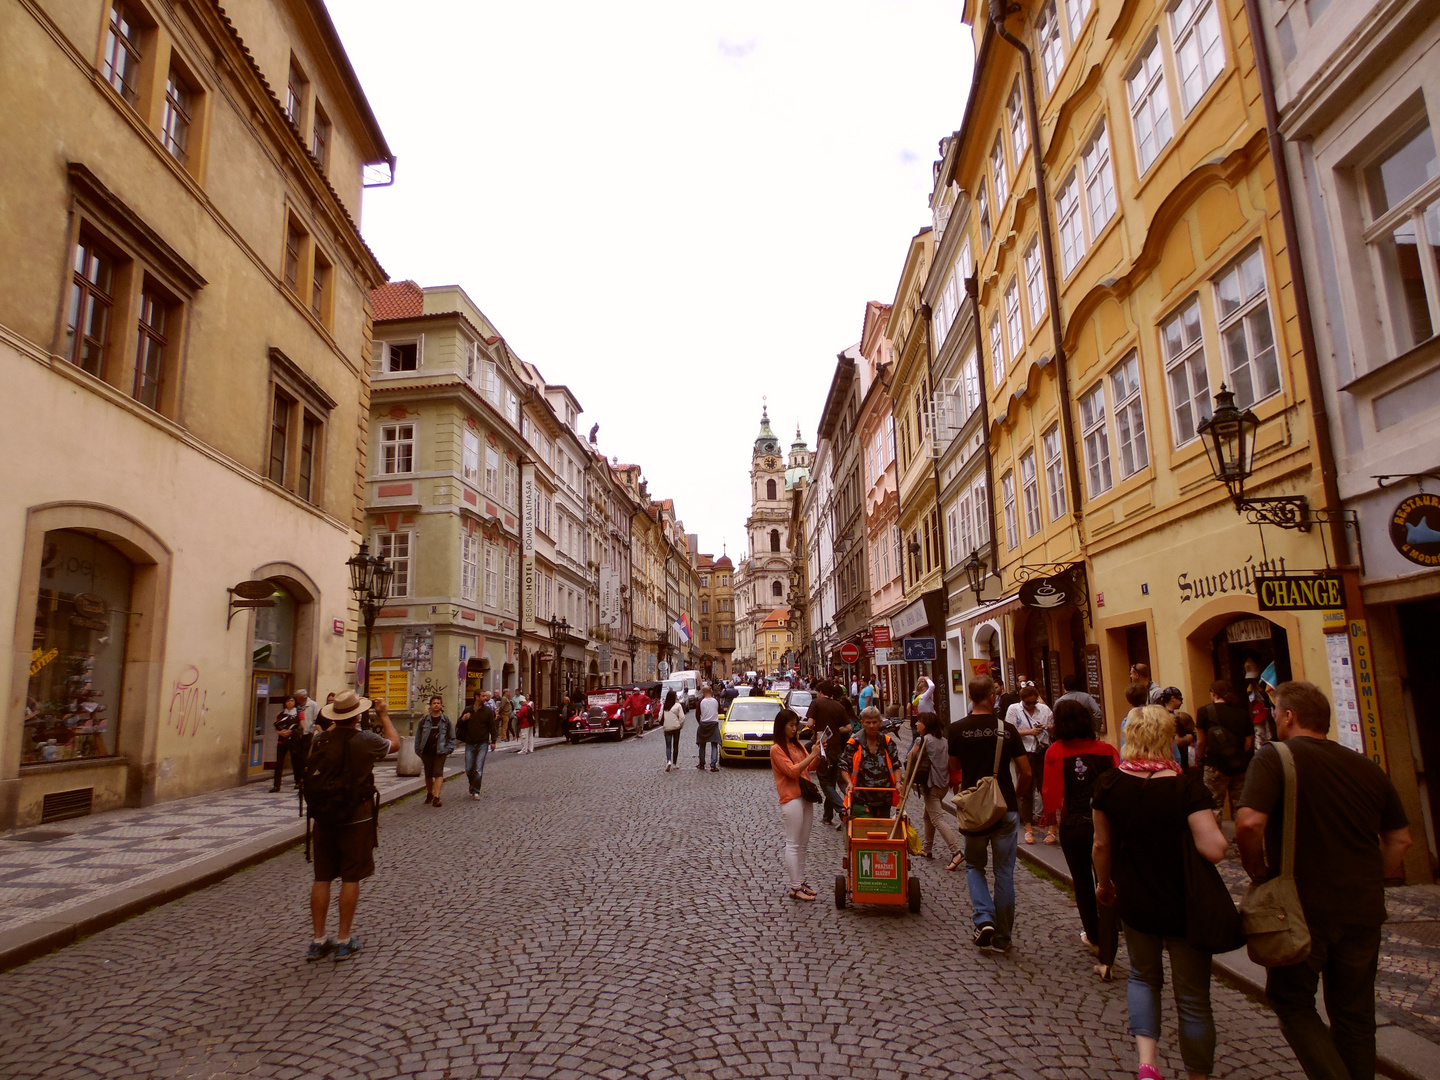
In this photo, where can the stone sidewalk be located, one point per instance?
(65, 880)
(1407, 989)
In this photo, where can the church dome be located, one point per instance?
(766, 442)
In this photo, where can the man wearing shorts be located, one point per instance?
(348, 851)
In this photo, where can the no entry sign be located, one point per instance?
(849, 652)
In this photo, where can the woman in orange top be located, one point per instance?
(789, 762)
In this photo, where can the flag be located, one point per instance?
(682, 627)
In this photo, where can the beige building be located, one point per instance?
(184, 332)
(716, 629)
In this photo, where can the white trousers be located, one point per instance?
(796, 817)
(527, 735)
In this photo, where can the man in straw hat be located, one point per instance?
(347, 850)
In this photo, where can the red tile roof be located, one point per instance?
(724, 560)
(397, 300)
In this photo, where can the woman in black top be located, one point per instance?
(1141, 812)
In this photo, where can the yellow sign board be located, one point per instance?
(1366, 692)
(1333, 622)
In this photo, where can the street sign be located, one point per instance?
(919, 648)
(882, 637)
(464, 650)
(887, 658)
(849, 653)
(1299, 592)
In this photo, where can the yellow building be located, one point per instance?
(716, 630)
(184, 330)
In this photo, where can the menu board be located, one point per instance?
(1092, 676)
(1342, 692)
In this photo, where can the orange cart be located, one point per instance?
(877, 863)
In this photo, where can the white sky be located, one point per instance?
(671, 207)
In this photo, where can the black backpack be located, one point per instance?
(1227, 748)
(336, 783)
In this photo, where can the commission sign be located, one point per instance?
(1300, 592)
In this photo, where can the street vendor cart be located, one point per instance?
(877, 862)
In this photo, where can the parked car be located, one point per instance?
(748, 729)
(798, 701)
(604, 714)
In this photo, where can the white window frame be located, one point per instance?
(1049, 45)
(1198, 46)
(1149, 104)
(970, 383)
(980, 499)
(1071, 222)
(470, 456)
(397, 449)
(512, 407)
(997, 167)
(1030, 492)
(1406, 220)
(1012, 525)
(469, 566)
(398, 548)
(492, 578)
(1034, 281)
(1248, 323)
(982, 214)
(1129, 414)
(1075, 14)
(508, 601)
(1015, 116)
(1014, 327)
(1186, 361)
(1095, 161)
(1095, 440)
(997, 350)
(492, 471)
(1050, 443)
(512, 482)
(490, 381)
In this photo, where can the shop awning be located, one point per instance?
(989, 611)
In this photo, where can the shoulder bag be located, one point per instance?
(979, 809)
(1275, 928)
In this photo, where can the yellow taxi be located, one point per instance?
(748, 728)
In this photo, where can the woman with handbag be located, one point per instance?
(934, 765)
(672, 720)
(1147, 817)
(798, 794)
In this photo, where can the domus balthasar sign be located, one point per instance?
(1300, 592)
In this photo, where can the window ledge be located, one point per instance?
(1392, 372)
(111, 761)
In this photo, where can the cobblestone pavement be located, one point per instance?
(590, 916)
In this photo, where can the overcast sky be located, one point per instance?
(672, 207)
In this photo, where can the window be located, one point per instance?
(997, 169)
(1199, 54)
(397, 449)
(1405, 207)
(122, 52)
(997, 351)
(774, 539)
(509, 581)
(490, 380)
(1034, 281)
(1013, 328)
(150, 352)
(1072, 230)
(1149, 104)
(704, 607)
(1246, 339)
(982, 214)
(776, 590)
(1185, 369)
(91, 302)
(1129, 416)
(1051, 49)
(294, 252)
(1099, 180)
(295, 94)
(1096, 440)
(470, 457)
(1077, 10)
(492, 577)
(402, 356)
(470, 566)
(175, 116)
(320, 133)
(970, 383)
(512, 407)
(512, 483)
(1029, 486)
(309, 458)
(952, 528)
(980, 499)
(320, 288)
(492, 472)
(1007, 494)
(279, 436)
(1015, 116)
(1054, 471)
(770, 490)
(396, 549)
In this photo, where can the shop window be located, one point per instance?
(77, 656)
(1246, 337)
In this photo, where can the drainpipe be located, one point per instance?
(1318, 415)
(942, 661)
(999, 9)
(972, 290)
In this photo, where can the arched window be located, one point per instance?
(776, 588)
(774, 537)
(770, 490)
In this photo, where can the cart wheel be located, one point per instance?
(840, 891)
(914, 894)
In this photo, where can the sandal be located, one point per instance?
(801, 894)
(926, 855)
(1051, 838)
(1029, 836)
(957, 862)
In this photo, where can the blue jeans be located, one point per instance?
(475, 764)
(672, 747)
(998, 911)
(1347, 957)
(714, 753)
(833, 799)
(1190, 976)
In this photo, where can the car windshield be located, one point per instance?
(799, 697)
(753, 710)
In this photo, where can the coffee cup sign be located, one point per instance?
(1046, 593)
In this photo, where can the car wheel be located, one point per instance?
(573, 740)
(840, 891)
(914, 894)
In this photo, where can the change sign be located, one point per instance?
(1300, 592)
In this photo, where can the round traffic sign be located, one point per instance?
(849, 652)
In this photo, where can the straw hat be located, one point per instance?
(345, 705)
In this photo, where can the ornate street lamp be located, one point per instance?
(1229, 436)
(370, 578)
(974, 568)
(559, 630)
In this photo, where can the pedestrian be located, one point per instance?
(525, 717)
(504, 714)
(637, 706)
(707, 730)
(1031, 717)
(322, 721)
(1225, 741)
(1010, 697)
(673, 720)
(1351, 834)
(1073, 763)
(287, 727)
(867, 693)
(827, 715)
(1142, 811)
(474, 729)
(1171, 700)
(790, 762)
(1140, 673)
(345, 755)
(434, 740)
(870, 767)
(932, 779)
(1075, 691)
(972, 743)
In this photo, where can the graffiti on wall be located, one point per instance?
(187, 702)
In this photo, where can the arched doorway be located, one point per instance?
(1249, 647)
(272, 674)
(987, 647)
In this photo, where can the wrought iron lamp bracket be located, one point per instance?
(1283, 512)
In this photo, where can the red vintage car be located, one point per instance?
(605, 714)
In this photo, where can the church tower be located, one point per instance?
(764, 578)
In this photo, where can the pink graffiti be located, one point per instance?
(187, 702)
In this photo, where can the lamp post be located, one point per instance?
(370, 578)
(1229, 435)
(559, 629)
(974, 568)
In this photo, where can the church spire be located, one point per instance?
(766, 442)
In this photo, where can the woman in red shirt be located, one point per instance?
(789, 762)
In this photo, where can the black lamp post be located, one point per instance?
(1229, 436)
(974, 568)
(370, 578)
(559, 630)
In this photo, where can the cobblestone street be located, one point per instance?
(592, 916)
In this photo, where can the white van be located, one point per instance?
(686, 685)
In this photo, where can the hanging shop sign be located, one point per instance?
(1300, 592)
(1050, 592)
(909, 619)
(1093, 685)
(1243, 630)
(1415, 529)
(882, 637)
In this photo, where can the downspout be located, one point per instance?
(942, 661)
(998, 11)
(972, 290)
(1318, 416)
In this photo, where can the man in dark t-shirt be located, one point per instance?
(972, 754)
(1350, 835)
(832, 727)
